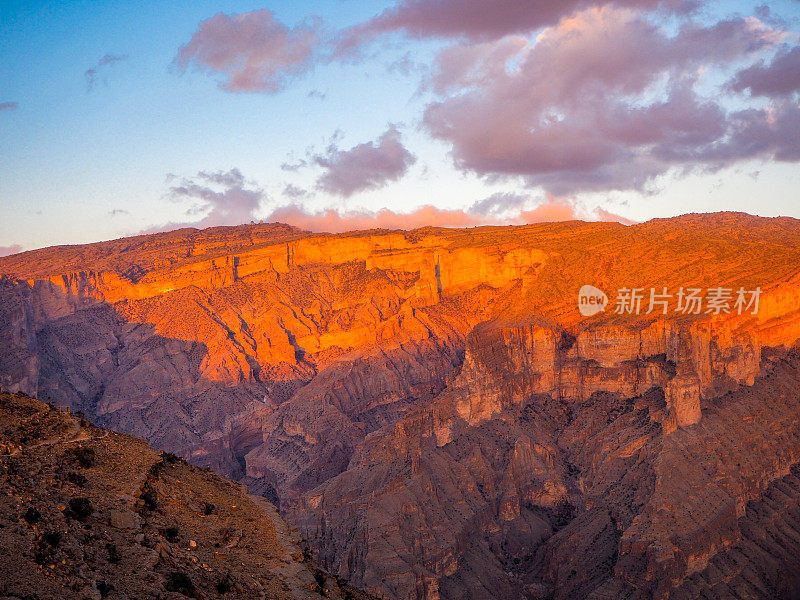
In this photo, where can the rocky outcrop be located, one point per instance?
(19, 363)
(403, 519)
(765, 562)
(89, 513)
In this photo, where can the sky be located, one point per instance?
(126, 117)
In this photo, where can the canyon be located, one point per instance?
(431, 410)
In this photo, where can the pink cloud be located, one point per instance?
(333, 221)
(254, 52)
(8, 250)
(549, 212)
(610, 217)
(571, 111)
(367, 166)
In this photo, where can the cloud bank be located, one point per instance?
(227, 198)
(563, 97)
(574, 112)
(334, 221)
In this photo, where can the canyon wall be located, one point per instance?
(429, 407)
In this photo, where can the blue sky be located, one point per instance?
(370, 131)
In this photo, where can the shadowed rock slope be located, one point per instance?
(429, 407)
(87, 513)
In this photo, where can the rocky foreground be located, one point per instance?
(88, 513)
(431, 409)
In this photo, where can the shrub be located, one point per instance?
(14, 467)
(80, 508)
(76, 479)
(225, 585)
(209, 509)
(178, 581)
(104, 588)
(32, 515)
(150, 499)
(29, 435)
(319, 579)
(171, 533)
(52, 538)
(85, 456)
(113, 553)
(45, 549)
(171, 459)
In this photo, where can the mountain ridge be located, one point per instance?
(348, 377)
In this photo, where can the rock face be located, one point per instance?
(430, 408)
(88, 513)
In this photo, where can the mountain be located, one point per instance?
(89, 513)
(432, 409)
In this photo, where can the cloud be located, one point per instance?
(474, 20)
(779, 78)
(549, 212)
(227, 198)
(498, 203)
(295, 166)
(253, 52)
(96, 73)
(330, 220)
(367, 166)
(8, 106)
(116, 212)
(218, 198)
(570, 111)
(294, 192)
(608, 216)
(766, 14)
(7, 250)
(334, 221)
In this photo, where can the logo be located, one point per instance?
(688, 301)
(591, 300)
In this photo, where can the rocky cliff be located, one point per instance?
(430, 407)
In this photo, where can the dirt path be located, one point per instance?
(77, 434)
